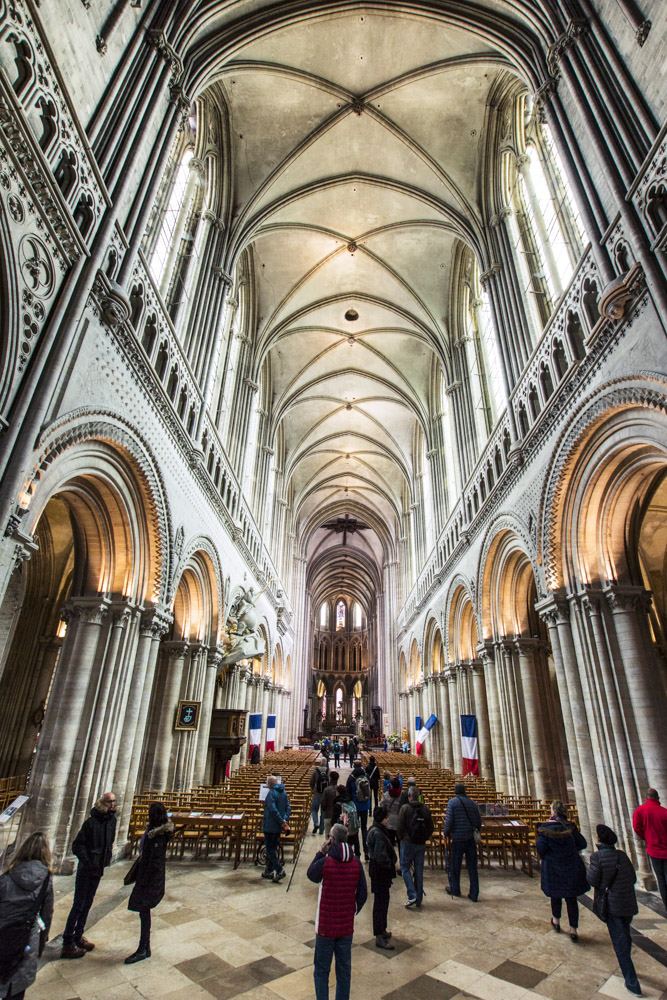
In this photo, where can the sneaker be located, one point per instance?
(72, 951)
(85, 944)
(635, 990)
(266, 874)
(279, 876)
(410, 903)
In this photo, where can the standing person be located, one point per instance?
(382, 870)
(385, 744)
(562, 871)
(649, 821)
(352, 749)
(26, 901)
(342, 894)
(462, 823)
(149, 884)
(612, 875)
(345, 749)
(329, 796)
(345, 812)
(359, 788)
(410, 783)
(392, 803)
(336, 752)
(415, 826)
(373, 775)
(277, 811)
(318, 782)
(93, 846)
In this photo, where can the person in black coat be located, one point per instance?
(149, 885)
(611, 873)
(373, 774)
(382, 870)
(562, 871)
(93, 846)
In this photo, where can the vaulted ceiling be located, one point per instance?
(357, 143)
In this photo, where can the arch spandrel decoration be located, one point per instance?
(65, 453)
(647, 392)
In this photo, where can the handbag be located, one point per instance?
(131, 873)
(601, 900)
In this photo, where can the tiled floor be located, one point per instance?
(220, 933)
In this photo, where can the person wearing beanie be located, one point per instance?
(342, 894)
(612, 875)
(649, 821)
(562, 871)
(382, 870)
(392, 803)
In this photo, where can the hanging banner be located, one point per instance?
(270, 745)
(423, 733)
(469, 748)
(418, 725)
(254, 732)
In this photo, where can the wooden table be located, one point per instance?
(207, 823)
(514, 834)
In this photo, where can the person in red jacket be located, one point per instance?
(649, 821)
(342, 894)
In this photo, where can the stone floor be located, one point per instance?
(220, 933)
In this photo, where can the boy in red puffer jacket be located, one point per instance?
(342, 893)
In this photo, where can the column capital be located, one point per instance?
(554, 609)
(214, 658)
(176, 648)
(91, 610)
(155, 622)
(625, 597)
(527, 644)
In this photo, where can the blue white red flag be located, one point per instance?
(254, 732)
(418, 725)
(469, 748)
(423, 733)
(270, 734)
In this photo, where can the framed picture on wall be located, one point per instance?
(187, 715)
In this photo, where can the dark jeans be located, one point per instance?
(461, 849)
(316, 813)
(619, 932)
(15, 996)
(572, 909)
(375, 791)
(272, 843)
(85, 887)
(381, 892)
(413, 855)
(363, 823)
(325, 949)
(145, 938)
(660, 869)
(353, 841)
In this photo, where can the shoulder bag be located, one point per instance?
(477, 834)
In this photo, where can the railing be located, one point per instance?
(562, 347)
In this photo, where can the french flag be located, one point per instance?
(423, 733)
(418, 726)
(469, 748)
(270, 745)
(254, 732)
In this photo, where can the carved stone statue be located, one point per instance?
(244, 640)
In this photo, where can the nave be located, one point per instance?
(227, 934)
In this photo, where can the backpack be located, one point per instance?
(363, 789)
(320, 781)
(350, 818)
(16, 937)
(417, 825)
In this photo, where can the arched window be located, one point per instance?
(324, 615)
(171, 220)
(357, 618)
(340, 616)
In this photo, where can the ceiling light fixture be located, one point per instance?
(351, 315)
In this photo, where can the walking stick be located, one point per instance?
(296, 860)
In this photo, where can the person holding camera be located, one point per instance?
(277, 811)
(342, 894)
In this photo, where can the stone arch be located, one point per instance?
(506, 526)
(613, 448)
(414, 663)
(201, 553)
(462, 627)
(509, 588)
(9, 314)
(196, 606)
(433, 647)
(79, 447)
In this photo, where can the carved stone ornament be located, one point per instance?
(113, 301)
(619, 293)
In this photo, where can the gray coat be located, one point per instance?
(601, 868)
(19, 892)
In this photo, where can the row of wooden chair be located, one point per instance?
(10, 788)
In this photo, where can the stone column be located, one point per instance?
(482, 713)
(486, 653)
(513, 705)
(210, 677)
(536, 723)
(55, 775)
(454, 720)
(172, 677)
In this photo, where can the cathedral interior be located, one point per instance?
(333, 391)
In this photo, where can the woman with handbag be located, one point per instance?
(562, 871)
(148, 876)
(26, 909)
(613, 877)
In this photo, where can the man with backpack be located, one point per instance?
(359, 789)
(319, 779)
(415, 826)
(336, 752)
(345, 813)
